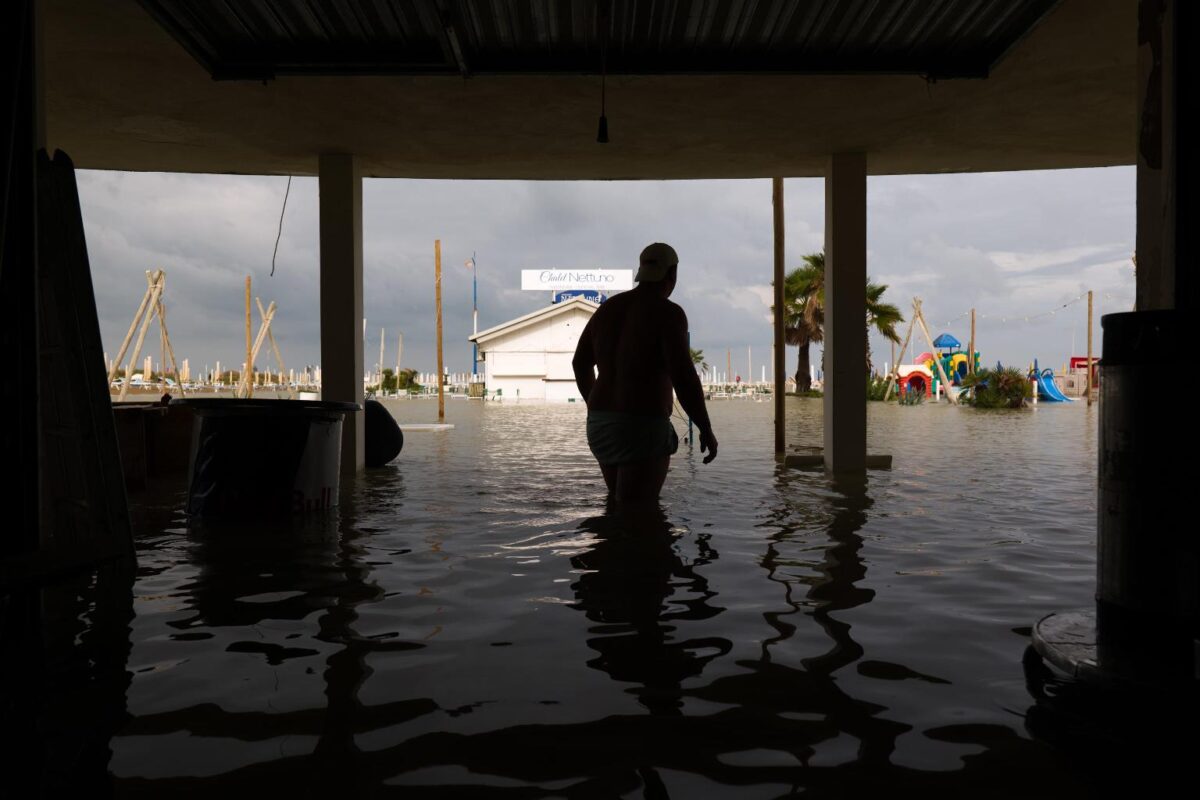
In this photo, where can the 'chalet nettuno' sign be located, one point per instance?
(553, 280)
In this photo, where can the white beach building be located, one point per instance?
(530, 357)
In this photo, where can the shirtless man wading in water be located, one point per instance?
(638, 340)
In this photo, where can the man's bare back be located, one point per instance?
(628, 337)
(631, 354)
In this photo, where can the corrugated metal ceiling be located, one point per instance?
(261, 39)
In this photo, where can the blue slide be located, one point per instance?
(1048, 390)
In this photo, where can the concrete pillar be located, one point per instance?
(845, 313)
(340, 185)
(1165, 202)
(778, 351)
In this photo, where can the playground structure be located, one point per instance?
(944, 367)
(917, 378)
(941, 369)
(1045, 389)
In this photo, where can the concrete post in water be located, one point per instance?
(340, 187)
(845, 399)
(779, 352)
(437, 283)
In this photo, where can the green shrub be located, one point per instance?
(1006, 387)
(877, 388)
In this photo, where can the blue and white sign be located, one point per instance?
(587, 294)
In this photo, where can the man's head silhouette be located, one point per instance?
(657, 264)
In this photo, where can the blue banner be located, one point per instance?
(587, 294)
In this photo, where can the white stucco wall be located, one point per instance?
(536, 358)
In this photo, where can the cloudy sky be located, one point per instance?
(1015, 246)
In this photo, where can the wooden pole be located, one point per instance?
(247, 382)
(162, 347)
(152, 302)
(382, 339)
(1089, 352)
(116, 365)
(920, 317)
(275, 347)
(437, 283)
(249, 368)
(166, 337)
(971, 355)
(897, 359)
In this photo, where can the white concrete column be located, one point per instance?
(340, 185)
(845, 313)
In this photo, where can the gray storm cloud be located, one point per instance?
(1013, 245)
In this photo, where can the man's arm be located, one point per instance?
(686, 381)
(584, 363)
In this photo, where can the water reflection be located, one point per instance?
(253, 578)
(826, 570)
(604, 658)
(63, 662)
(635, 587)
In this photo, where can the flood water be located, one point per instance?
(470, 621)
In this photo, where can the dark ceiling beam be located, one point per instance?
(948, 40)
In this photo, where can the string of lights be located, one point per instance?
(1007, 318)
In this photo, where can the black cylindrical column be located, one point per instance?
(1148, 571)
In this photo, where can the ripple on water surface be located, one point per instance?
(472, 616)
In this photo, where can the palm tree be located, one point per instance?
(804, 315)
(883, 317)
(804, 312)
(698, 359)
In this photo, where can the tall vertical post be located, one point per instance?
(340, 187)
(845, 400)
(474, 315)
(971, 354)
(437, 284)
(690, 427)
(1089, 350)
(779, 318)
(248, 369)
(382, 339)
